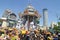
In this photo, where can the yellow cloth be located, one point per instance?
(49, 38)
(2, 35)
(13, 38)
(23, 31)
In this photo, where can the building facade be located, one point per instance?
(45, 17)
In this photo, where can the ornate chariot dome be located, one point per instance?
(30, 11)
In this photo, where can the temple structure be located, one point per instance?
(30, 17)
(8, 18)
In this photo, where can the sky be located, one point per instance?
(17, 6)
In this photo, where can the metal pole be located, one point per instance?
(28, 23)
(29, 2)
(33, 21)
(57, 17)
(33, 18)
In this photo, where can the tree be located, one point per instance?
(57, 28)
(58, 23)
(37, 21)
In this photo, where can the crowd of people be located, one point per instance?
(23, 34)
